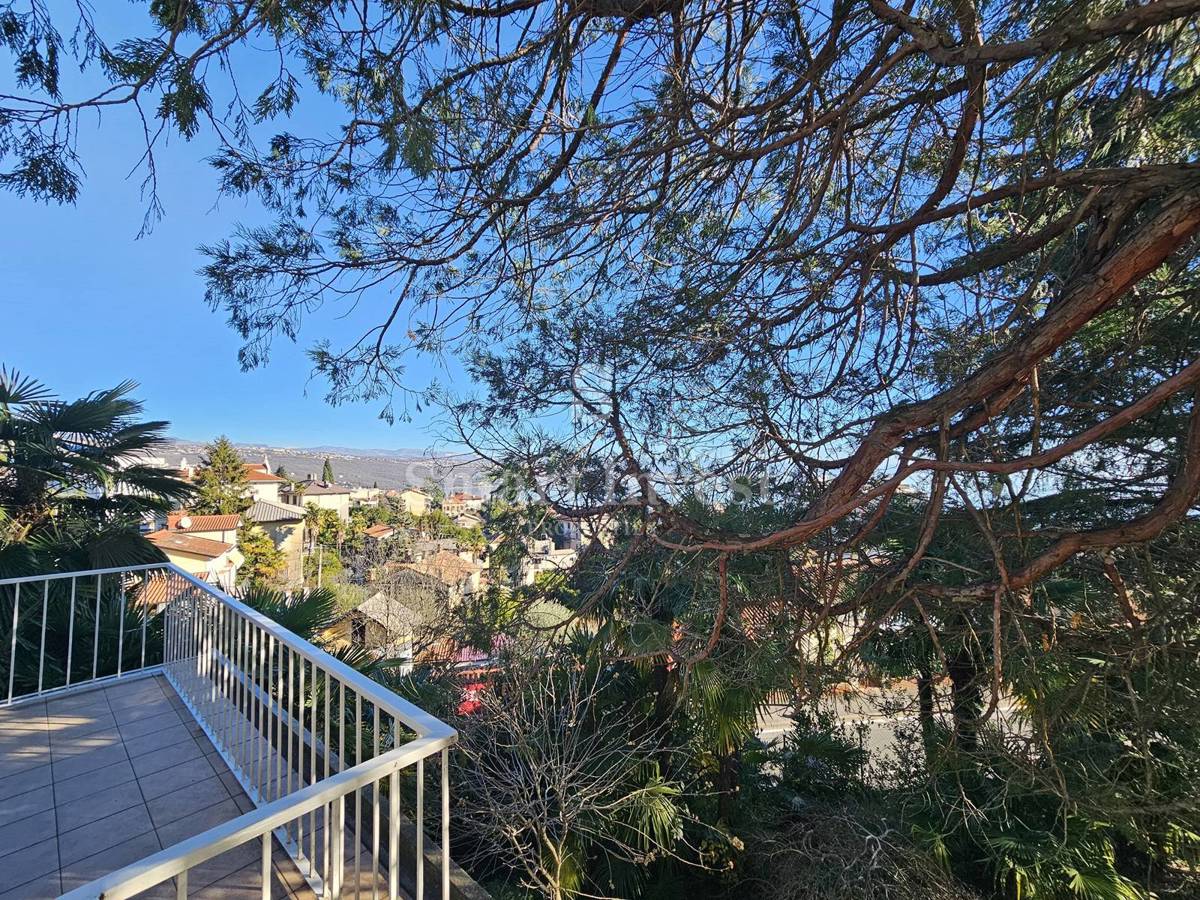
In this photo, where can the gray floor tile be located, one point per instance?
(90, 782)
(42, 888)
(16, 836)
(109, 859)
(244, 884)
(25, 781)
(145, 710)
(24, 712)
(150, 724)
(91, 774)
(25, 805)
(134, 693)
(69, 728)
(100, 835)
(85, 744)
(156, 740)
(181, 775)
(157, 760)
(13, 762)
(181, 829)
(186, 800)
(33, 862)
(90, 761)
(101, 804)
(77, 704)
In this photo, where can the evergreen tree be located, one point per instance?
(327, 471)
(221, 481)
(264, 564)
(280, 472)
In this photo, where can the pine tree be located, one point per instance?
(327, 471)
(280, 472)
(221, 481)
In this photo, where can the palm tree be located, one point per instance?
(73, 488)
(73, 492)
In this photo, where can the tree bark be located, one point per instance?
(967, 698)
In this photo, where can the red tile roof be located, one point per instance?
(446, 567)
(254, 472)
(379, 531)
(179, 542)
(203, 523)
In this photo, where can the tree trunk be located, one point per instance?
(925, 713)
(967, 698)
(728, 770)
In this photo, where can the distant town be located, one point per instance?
(404, 542)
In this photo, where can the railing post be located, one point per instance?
(445, 824)
(266, 865)
(96, 634)
(394, 836)
(12, 654)
(420, 829)
(339, 843)
(42, 648)
(121, 630)
(71, 631)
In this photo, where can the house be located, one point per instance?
(544, 557)
(215, 528)
(323, 494)
(382, 626)
(468, 519)
(574, 534)
(285, 526)
(379, 532)
(416, 502)
(361, 496)
(462, 577)
(422, 549)
(458, 503)
(264, 484)
(213, 561)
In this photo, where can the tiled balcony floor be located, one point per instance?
(97, 780)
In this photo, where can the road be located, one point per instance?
(874, 713)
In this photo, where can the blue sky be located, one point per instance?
(85, 303)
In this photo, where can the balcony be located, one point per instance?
(158, 738)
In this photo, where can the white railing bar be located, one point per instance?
(71, 632)
(53, 576)
(416, 719)
(12, 656)
(80, 687)
(42, 646)
(158, 867)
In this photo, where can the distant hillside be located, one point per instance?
(358, 468)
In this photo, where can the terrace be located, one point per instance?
(158, 738)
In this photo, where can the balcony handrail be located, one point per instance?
(420, 722)
(233, 650)
(54, 576)
(172, 861)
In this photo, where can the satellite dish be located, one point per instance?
(185, 523)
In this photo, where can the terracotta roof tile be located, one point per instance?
(186, 543)
(203, 523)
(254, 472)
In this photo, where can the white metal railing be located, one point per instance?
(307, 736)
